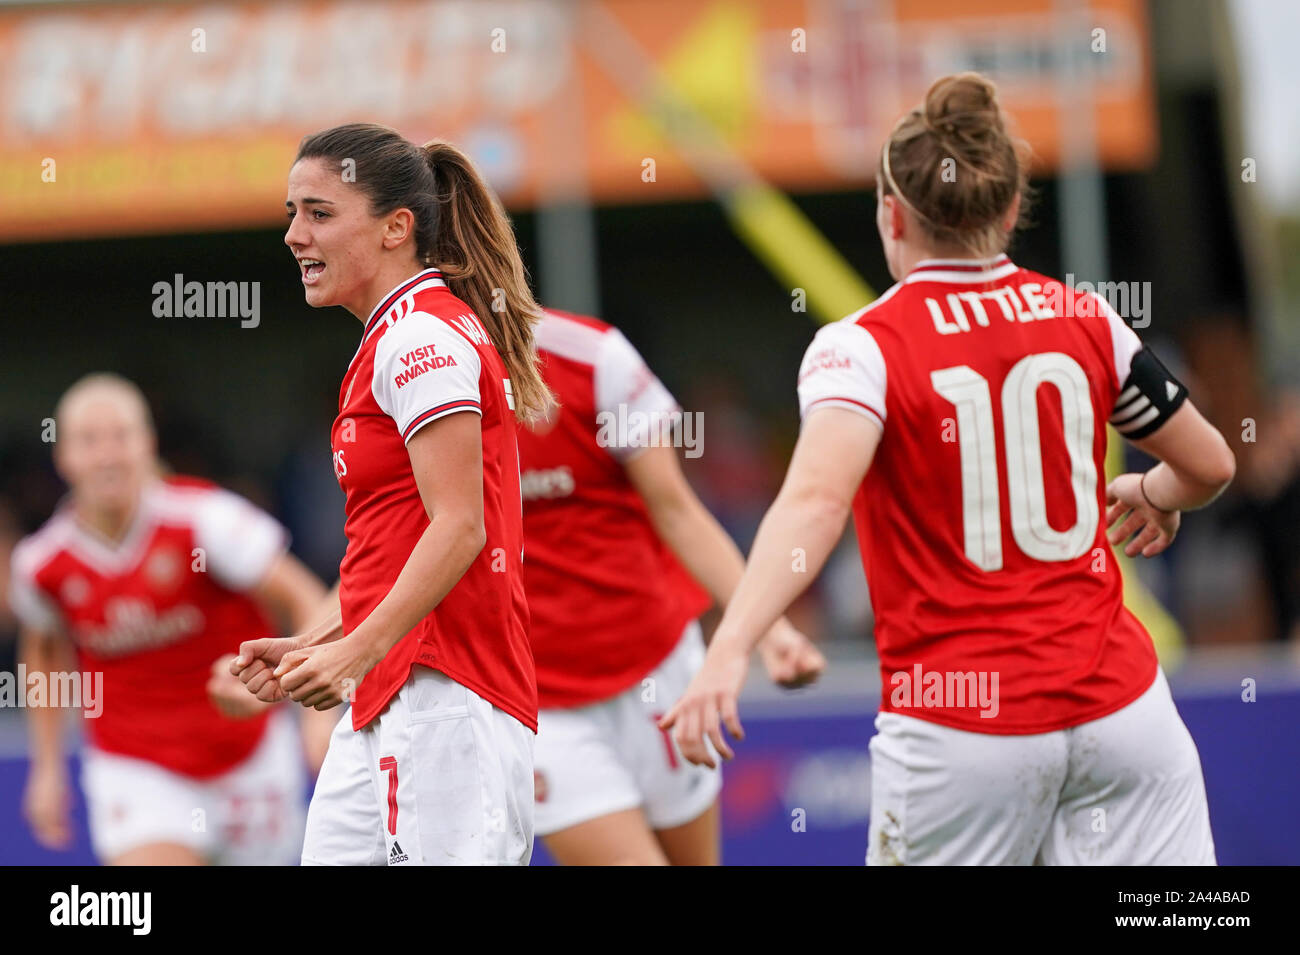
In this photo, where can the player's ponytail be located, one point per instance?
(953, 163)
(460, 228)
(474, 245)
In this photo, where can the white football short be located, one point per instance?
(250, 815)
(611, 756)
(440, 777)
(1125, 789)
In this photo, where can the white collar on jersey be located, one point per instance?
(429, 278)
(390, 305)
(961, 270)
(100, 552)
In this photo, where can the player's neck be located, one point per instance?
(387, 278)
(909, 257)
(112, 524)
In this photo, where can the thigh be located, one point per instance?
(622, 837)
(942, 796)
(344, 826)
(675, 792)
(139, 811)
(262, 800)
(455, 777)
(1135, 794)
(698, 842)
(581, 775)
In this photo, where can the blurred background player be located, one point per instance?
(1025, 718)
(154, 582)
(608, 516)
(435, 767)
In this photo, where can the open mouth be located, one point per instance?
(311, 270)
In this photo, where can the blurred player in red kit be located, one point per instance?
(427, 632)
(154, 582)
(611, 530)
(961, 417)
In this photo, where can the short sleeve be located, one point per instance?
(627, 389)
(30, 605)
(1123, 340)
(843, 368)
(240, 542)
(425, 370)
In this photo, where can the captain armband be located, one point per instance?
(1150, 396)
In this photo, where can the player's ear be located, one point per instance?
(1013, 214)
(398, 224)
(896, 218)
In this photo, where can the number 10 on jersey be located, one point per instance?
(969, 392)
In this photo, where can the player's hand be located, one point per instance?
(228, 693)
(47, 803)
(325, 675)
(256, 663)
(710, 700)
(792, 660)
(1130, 514)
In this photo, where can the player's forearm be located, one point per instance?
(793, 542)
(439, 559)
(707, 551)
(1171, 490)
(328, 617)
(305, 597)
(44, 723)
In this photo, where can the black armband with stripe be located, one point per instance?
(1149, 397)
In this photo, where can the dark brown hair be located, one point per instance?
(460, 228)
(952, 162)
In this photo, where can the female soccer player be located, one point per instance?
(436, 764)
(962, 416)
(607, 516)
(155, 582)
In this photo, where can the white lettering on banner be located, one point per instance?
(369, 58)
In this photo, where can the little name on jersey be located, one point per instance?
(420, 360)
(1030, 305)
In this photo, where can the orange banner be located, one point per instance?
(121, 119)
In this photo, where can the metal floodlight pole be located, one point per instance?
(1081, 203)
(567, 262)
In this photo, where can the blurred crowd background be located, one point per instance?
(1165, 157)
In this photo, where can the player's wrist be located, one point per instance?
(1142, 481)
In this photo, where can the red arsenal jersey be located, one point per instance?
(608, 601)
(152, 613)
(980, 520)
(424, 355)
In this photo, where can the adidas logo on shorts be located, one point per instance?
(397, 855)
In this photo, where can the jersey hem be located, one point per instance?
(153, 760)
(492, 697)
(1031, 729)
(578, 701)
